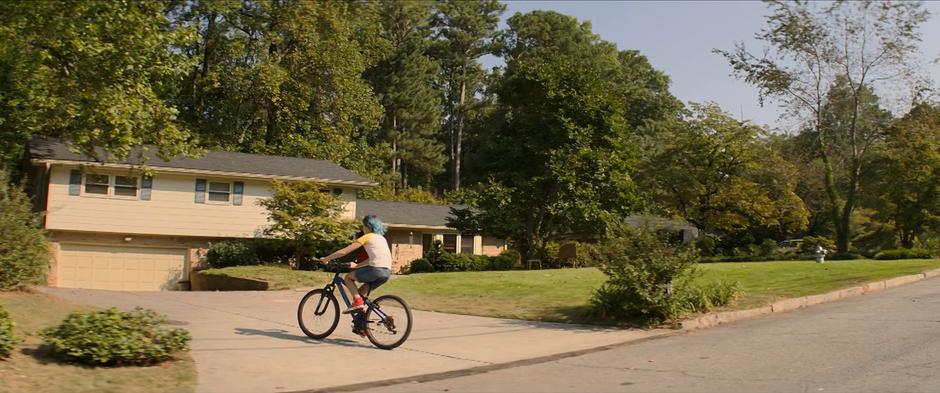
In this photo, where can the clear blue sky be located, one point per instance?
(678, 38)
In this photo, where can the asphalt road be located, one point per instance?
(883, 342)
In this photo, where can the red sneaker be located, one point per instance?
(357, 304)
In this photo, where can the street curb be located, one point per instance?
(785, 305)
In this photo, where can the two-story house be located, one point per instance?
(112, 227)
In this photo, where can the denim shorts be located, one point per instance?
(374, 276)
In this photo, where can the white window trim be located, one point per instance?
(112, 180)
(456, 246)
(460, 244)
(231, 192)
(113, 188)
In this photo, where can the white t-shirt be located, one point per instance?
(377, 248)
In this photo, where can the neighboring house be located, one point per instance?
(110, 227)
(683, 230)
(413, 227)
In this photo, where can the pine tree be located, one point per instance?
(404, 82)
(464, 31)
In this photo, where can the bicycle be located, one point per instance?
(387, 317)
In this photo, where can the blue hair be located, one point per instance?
(374, 224)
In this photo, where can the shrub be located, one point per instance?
(585, 255)
(7, 340)
(844, 256)
(434, 252)
(648, 278)
(550, 255)
(709, 296)
(24, 252)
(768, 247)
(501, 262)
(444, 262)
(231, 253)
(514, 255)
(113, 337)
(903, 253)
(274, 250)
(808, 246)
(706, 245)
(420, 265)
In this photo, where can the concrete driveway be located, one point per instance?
(250, 341)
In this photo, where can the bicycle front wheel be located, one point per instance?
(389, 322)
(318, 314)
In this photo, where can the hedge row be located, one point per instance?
(904, 254)
(463, 263)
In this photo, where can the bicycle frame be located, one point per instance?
(341, 284)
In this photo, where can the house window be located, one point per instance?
(450, 243)
(220, 192)
(466, 244)
(125, 186)
(111, 185)
(97, 184)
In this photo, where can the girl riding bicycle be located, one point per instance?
(374, 271)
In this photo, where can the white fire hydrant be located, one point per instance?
(820, 254)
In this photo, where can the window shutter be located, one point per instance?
(238, 188)
(146, 184)
(200, 190)
(75, 182)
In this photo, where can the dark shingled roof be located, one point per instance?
(216, 161)
(404, 213)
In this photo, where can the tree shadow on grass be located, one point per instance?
(45, 355)
(583, 318)
(284, 335)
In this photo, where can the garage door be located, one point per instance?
(120, 268)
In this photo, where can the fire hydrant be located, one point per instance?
(820, 254)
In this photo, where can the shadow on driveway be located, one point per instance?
(284, 335)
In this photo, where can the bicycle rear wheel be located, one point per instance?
(318, 313)
(389, 321)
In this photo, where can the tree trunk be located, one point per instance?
(833, 193)
(528, 242)
(459, 137)
(271, 132)
(404, 175)
(394, 152)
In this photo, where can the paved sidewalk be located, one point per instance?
(250, 341)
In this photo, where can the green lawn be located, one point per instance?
(31, 369)
(563, 295)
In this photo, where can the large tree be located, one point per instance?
(719, 174)
(284, 77)
(906, 189)
(97, 73)
(559, 152)
(865, 43)
(464, 31)
(404, 80)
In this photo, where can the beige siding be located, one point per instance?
(170, 211)
(493, 246)
(405, 247)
